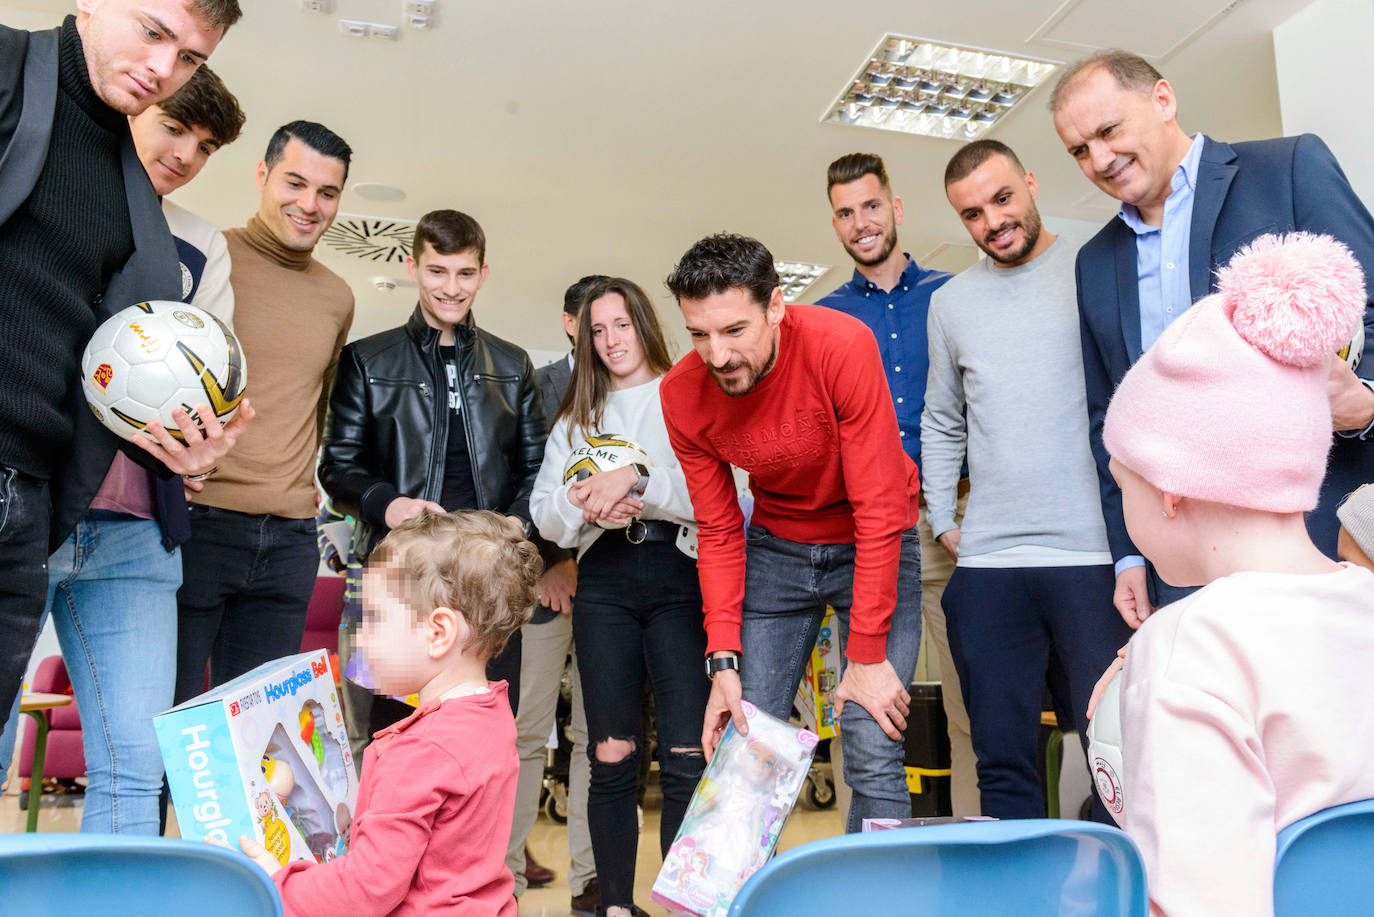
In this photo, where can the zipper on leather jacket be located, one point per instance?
(439, 439)
(424, 386)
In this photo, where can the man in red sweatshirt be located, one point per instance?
(796, 396)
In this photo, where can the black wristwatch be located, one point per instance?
(716, 664)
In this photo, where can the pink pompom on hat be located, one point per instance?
(1230, 404)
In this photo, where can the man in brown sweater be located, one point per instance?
(250, 565)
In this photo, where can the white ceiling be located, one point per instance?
(606, 136)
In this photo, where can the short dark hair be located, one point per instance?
(314, 135)
(449, 232)
(724, 262)
(1131, 71)
(204, 101)
(576, 294)
(972, 155)
(854, 166)
(221, 14)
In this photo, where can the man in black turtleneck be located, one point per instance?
(81, 236)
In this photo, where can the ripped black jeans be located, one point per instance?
(637, 612)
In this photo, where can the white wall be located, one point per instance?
(1321, 58)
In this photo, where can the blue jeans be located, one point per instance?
(112, 595)
(788, 585)
(247, 585)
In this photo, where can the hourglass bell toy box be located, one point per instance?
(736, 815)
(816, 694)
(264, 755)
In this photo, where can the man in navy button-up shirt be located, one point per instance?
(890, 293)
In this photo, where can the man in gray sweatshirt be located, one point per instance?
(1034, 574)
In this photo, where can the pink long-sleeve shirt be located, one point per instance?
(1245, 707)
(432, 821)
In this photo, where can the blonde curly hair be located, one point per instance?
(478, 563)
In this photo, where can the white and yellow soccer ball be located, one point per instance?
(1352, 352)
(599, 452)
(154, 357)
(1104, 748)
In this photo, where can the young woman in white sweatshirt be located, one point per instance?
(637, 609)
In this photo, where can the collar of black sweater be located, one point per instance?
(75, 80)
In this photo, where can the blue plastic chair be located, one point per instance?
(1324, 864)
(1022, 868)
(75, 875)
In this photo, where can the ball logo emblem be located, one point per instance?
(102, 376)
(189, 320)
(1108, 786)
(145, 339)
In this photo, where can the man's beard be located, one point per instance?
(751, 378)
(889, 243)
(1031, 226)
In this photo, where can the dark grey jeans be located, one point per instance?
(25, 513)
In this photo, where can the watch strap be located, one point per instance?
(716, 664)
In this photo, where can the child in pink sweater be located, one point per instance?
(441, 595)
(1243, 706)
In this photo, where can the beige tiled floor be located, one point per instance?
(548, 840)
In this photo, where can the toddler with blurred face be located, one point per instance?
(441, 595)
(1244, 706)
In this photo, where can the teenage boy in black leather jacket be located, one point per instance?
(437, 414)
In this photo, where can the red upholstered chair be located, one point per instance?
(65, 757)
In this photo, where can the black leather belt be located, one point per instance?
(642, 530)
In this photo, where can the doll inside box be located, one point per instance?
(304, 768)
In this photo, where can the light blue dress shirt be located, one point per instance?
(1161, 265)
(1161, 252)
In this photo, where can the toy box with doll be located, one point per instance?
(264, 755)
(816, 693)
(736, 814)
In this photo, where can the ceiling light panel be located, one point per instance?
(796, 277)
(919, 86)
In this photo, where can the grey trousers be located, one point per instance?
(545, 647)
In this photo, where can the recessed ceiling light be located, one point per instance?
(796, 277)
(378, 191)
(919, 86)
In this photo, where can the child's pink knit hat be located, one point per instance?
(1230, 404)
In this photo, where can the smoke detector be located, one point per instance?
(385, 284)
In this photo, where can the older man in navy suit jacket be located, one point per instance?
(1187, 205)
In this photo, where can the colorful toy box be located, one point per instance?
(736, 814)
(816, 693)
(264, 755)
